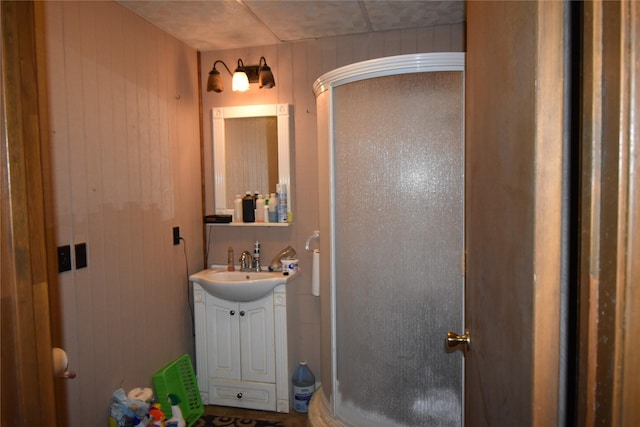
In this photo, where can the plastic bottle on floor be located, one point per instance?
(304, 384)
(176, 420)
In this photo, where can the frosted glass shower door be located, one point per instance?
(398, 156)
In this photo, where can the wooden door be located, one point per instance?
(608, 389)
(514, 140)
(26, 373)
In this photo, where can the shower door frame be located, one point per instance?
(387, 66)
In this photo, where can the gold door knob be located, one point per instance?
(457, 342)
(61, 364)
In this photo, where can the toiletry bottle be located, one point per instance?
(281, 189)
(273, 202)
(248, 212)
(256, 255)
(266, 207)
(177, 419)
(237, 208)
(230, 265)
(260, 209)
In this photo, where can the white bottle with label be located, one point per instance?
(260, 208)
(273, 213)
(237, 208)
(266, 208)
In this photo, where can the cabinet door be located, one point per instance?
(223, 343)
(257, 341)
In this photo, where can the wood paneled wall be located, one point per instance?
(296, 66)
(121, 113)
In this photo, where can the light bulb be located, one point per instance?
(240, 82)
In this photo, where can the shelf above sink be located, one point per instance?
(249, 224)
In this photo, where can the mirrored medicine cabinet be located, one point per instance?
(251, 152)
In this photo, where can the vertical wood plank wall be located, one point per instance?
(296, 66)
(121, 106)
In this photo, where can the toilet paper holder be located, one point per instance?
(314, 236)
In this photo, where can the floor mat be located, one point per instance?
(222, 421)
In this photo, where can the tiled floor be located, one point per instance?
(291, 419)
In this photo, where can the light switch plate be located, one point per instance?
(81, 255)
(64, 258)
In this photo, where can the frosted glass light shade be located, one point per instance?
(266, 78)
(214, 83)
(240, 82)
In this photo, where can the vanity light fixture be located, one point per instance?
(242, 76)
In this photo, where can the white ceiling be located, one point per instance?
(208, 25)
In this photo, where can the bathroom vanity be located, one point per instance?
(241, 346)
(241, 317)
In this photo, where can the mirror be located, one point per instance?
(250, 151)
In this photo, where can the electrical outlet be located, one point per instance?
(176, 236)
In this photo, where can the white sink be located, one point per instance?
(239, 286)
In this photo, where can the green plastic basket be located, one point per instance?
(178, 378)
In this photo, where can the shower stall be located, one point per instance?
(391, 156)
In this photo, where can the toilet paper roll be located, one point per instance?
(145, 394)
(315, 273)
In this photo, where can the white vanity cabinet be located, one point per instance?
(241, 351)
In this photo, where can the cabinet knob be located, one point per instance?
(242, 313)
(232, 312)
(239, 395)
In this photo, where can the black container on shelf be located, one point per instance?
(248, 212)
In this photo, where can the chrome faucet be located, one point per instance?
(255, 266)
(246, 261)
